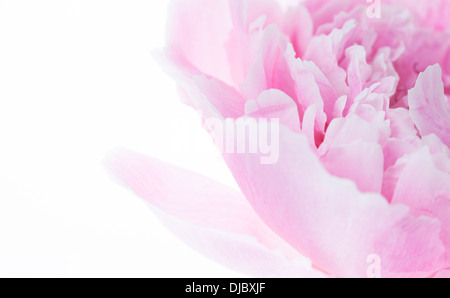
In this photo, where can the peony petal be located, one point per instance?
(199, 30)
(359, 161)
(307, 90)
(275, 104)
(324, 11)
(343, 131)
(250, 18)
(270, 70)
(308, 125)
(212, 218)
(210, 96)
(426, 190)
(227, 101)
(432, 14)
(429, 106)
(329, 220)
(443, 274)
(327, 50)
(358, 71)
(402, 126)
(423, 49)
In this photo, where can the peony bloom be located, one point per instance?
(363, 168)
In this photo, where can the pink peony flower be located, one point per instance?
(363, 171)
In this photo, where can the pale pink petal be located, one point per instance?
(319, 92)
(212, 218)
(358, 71)
(298, 25)
(433, 14)
(199, 30)
(443, 274)
(270, 70)
(250, 18)
(344, 131)
(402, 126)
(307, 91)
(394, 149)
(339, 106)
(275, 104)
(210, 96)
(359, 161)
(324, 11)
(308, 125)
(329, 220)
(429, 106)
(423, 49)
(326, 51)
(227, 101)
(427, 191)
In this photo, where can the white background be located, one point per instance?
(77, 79)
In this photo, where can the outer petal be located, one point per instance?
(211, 96)
(426, 190)
(212, 218)
(329, 220)
(443, 274)
(199, 29)
(429, 106)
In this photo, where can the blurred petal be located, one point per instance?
(199, 30)
(443, 274)
(212, 218)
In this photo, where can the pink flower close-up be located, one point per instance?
(358, 97)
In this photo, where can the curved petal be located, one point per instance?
(328, 220)
(223, 101)
(326, 51)
(426, 190)
(199, 30)
(270, 70)
(359, 161)
(275, 104)
(428, 105)
(212, 218)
